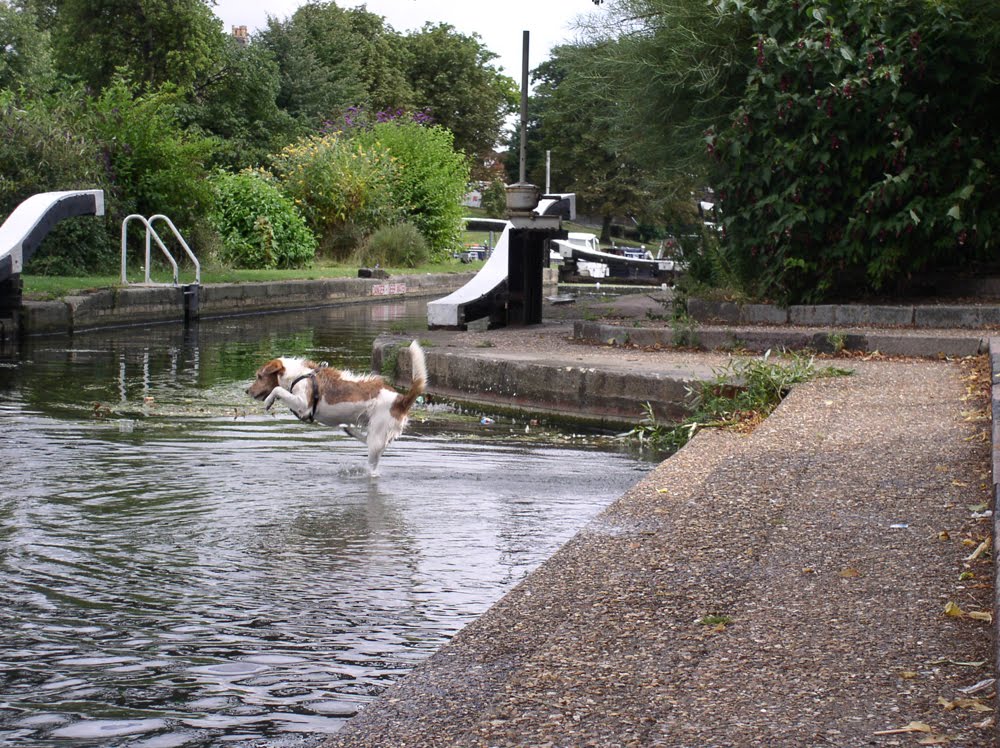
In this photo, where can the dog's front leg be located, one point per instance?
(296, 404)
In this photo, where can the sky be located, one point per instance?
(499, 23)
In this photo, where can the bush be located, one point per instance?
(495, 199)
(429, 181)
(42, 151)
(154, 164)
(259, 226)
(863, 148)
(341, 186)
(400, 245)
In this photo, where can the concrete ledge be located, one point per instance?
(775, 338)
(604, 396)
(135, 304)
(954, 316)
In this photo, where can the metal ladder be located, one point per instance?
(150, 235)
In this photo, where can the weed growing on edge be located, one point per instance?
(741, 395)
(390, 363)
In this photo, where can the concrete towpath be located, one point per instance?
(818, 582)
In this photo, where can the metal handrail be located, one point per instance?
(151, 234)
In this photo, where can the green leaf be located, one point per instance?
(955, 212)
(818, 14)
(847, 54)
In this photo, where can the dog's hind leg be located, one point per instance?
(355, 432)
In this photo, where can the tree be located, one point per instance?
(237, 101)
(668, 69)
(25, 51)
(331, 59)
(588, 155)
(156, 41)
(452, 76)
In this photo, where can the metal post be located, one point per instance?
(548, 172)
(522, 175)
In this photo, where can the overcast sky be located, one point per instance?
(499, 24)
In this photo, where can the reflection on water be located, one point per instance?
(178, 569)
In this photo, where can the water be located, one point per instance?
(179, 569)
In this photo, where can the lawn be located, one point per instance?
(57, 286)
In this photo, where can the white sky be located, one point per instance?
(499, 23)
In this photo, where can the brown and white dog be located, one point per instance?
(317, 392)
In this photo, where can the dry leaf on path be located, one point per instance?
(952, 609)
(912, 727)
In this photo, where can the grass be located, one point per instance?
(57, 286)
(741, 395)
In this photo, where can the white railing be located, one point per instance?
(151, 235)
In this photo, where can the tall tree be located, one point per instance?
(589, 157)
(673, 68)
(237, 101)
(25, 50)
(157, 41)
(452, 75)
(332, 58)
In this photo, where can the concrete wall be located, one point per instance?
(135, 304)
(587, 395)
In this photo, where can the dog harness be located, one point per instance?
(311, 376)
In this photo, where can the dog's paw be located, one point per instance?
(268, 403)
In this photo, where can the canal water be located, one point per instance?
(178, 568)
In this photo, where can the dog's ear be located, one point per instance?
(272, 367)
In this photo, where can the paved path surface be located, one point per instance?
(827, 543)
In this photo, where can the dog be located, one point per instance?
(318, 393)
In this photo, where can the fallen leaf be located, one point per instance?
(981, 615)
(909, 674)
(912, 727)
(980, 550)
(975, 705)
(850, 573)
(952, 609)
(980, 686)
(943, 535)
(934, 740)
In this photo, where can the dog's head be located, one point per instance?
(268, 377)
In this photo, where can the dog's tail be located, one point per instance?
(418, 381)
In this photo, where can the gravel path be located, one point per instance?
(784, 588)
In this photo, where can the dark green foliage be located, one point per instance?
(400, 245)
(863, 148)
(237, 102)
(156, 41)
(260, 227)
(25, 51)
(42, 150)
(589, 154)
